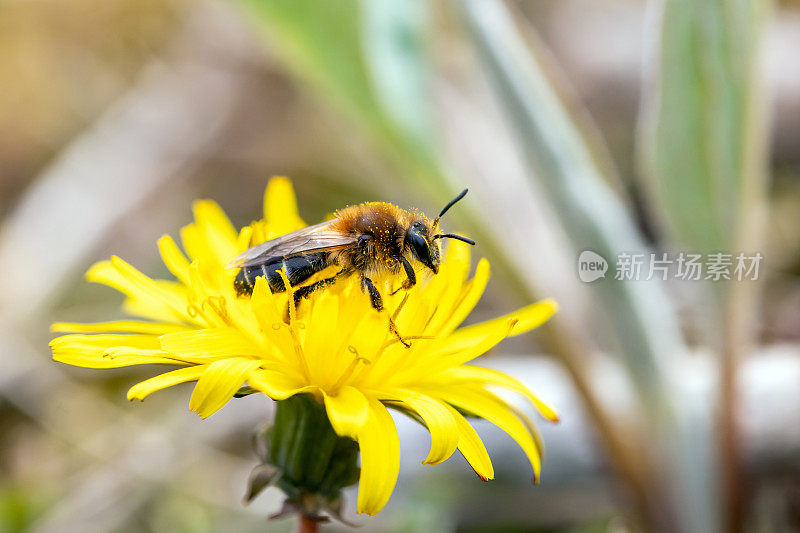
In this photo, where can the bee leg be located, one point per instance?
(411, 277)
(305, 292)
(374, 296)
(393, 329)
(377, 304)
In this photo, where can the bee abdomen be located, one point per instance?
(297, 269)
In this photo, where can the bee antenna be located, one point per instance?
(453, 236)
(461, 195)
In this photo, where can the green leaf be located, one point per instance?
(394, 34)
(699, 126)
(367, 57)
(319, 39)
(559, 156)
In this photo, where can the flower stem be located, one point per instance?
(306, 525)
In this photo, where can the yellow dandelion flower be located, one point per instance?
(335, 346)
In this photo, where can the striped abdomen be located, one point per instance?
(298, 269)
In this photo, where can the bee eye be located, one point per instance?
(420, 248)
(416, 225)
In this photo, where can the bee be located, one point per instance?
(363, 240)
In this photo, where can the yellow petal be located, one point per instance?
(101, 342)
(128, 351)
(143, 389)
(277, 385)
(348, 411)
(215, 342)
(352, 303)
(486, 405)
(207, 308)
(360, 327)
(258, 234)
(447, 353)
(174, 259)
(264, 307)
(493, 377)
(148, 289)
(152, 310)
(471, 293)
(370, 334)
(447, 287)
(244, 239)
(155, 300)
(280, 207)
(527, 318)
(534, 431)
(457, 262)
(78, 359)
(471, 446)
(212, 238)
(321, 337)
(439, 421)
(221, 380)
(118, 326)
(88, 350)
(219, 232)
(380, 459)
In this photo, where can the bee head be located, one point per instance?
(421, 237)
(423, 247)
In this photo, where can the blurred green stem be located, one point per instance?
(741, 308)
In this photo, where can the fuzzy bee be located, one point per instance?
(364, 240)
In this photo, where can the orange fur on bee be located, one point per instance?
(386, 223)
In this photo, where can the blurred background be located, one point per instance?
(616, 126)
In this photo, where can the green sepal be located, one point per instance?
(302, 456)
(245, 391)
(261, 477)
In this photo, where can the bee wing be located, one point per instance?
(317, 238)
